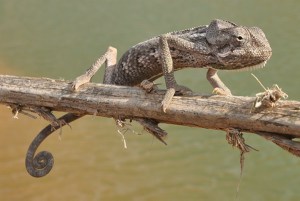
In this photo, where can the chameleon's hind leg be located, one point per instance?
(109, 57)
(167, 64)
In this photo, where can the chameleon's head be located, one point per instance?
(237, 47)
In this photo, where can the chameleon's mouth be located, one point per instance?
(250, 68)
(235, 60)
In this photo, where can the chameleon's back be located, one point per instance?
(142, 61)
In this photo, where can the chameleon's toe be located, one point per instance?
(74, 86)
(178, 90)
(219, 91)
(79, 81)
(182, 90)
(167, 99)
(147, 85)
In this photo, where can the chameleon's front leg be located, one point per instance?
(216, 82)
(167, 67)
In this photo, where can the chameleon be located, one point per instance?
(220, 45)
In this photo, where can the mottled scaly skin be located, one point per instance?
(142, 61)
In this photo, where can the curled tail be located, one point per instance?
(41, 164)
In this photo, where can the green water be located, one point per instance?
(60, 39)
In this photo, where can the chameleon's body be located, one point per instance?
(221, 45)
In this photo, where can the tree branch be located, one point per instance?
(278, 124)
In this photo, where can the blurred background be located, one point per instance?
(60, 39)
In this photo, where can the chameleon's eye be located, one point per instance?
(240, 38)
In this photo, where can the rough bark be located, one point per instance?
(278, 124)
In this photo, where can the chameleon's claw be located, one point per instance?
(183, 91)
(79, 81)
(148, 86)
(74, 86)
(178, 90)
(222, 92)
(167, 99)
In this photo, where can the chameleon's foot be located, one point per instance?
(222, 92)
(148, 86)
(79, 81)
(167, 99)
(178, 90)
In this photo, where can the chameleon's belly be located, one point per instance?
(132, 75)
